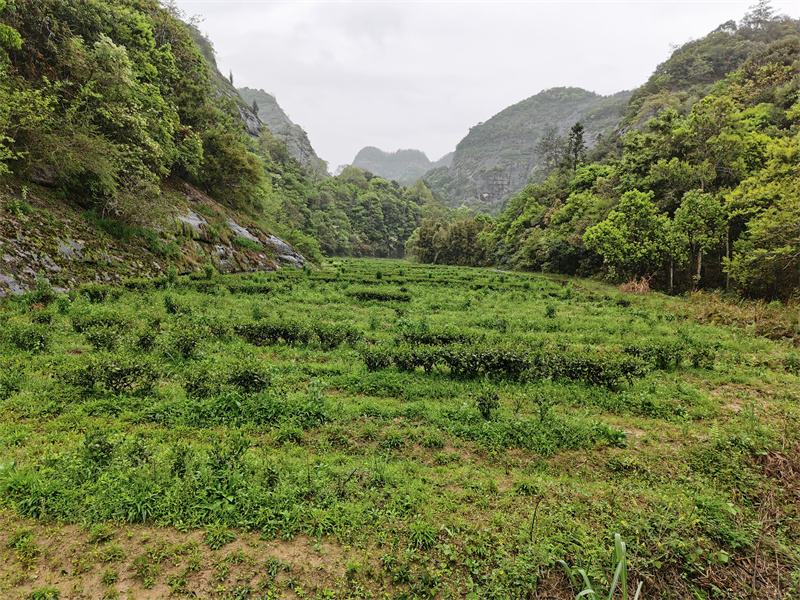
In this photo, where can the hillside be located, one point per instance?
(125, 154)
(695, 67)
(404, 166)
(296, 139)
(699, 188)
(499, 156)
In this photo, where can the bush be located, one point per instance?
(116, 373)
(95, 293)
(102, 338)
(331, 335)
(380, 295)
(271, 331)
(28, 337)
(509, 361)
(98, 317)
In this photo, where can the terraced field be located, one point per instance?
(378, 429)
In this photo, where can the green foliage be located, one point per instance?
(28, 337)
(477, 435)
(633, 239)
(619, 563)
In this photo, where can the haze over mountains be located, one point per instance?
(403, 166)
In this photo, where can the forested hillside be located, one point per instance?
(500, 156)
(114, 117)
(706, 192)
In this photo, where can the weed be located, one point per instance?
(44, 593)
(620, 576)
(109, 577)
(217, 536)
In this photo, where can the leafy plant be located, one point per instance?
(620, 576)
(217, 536)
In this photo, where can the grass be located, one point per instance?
(230, 411)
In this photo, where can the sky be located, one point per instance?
(414, 74)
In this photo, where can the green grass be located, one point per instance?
(243, 404)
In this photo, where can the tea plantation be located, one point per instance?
(379, 429)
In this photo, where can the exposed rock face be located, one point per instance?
(403, 166)
(282, 127)
(499, 157)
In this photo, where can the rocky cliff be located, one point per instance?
(499, 157)
(296, 139)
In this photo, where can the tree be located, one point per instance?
(576, 146)
(551, 147)
(255, 107)
(701, 219)
(633, 240)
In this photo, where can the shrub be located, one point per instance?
(98, 317)
(182, 343)
(95, 293)
(115, 372)
(28, 337)
(250, 376)
(271, 331)
(376, 357)
(380, 295)
(102, 338)
(487, 402)
(173, 306)
(331, 335)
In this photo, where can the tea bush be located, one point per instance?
(28, 337)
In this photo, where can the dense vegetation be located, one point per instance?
(109, 102)
(411, 430)
(705, 193)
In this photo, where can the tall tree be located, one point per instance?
(576, 146)
(701, 219)
(633, 240)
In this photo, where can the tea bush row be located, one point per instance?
(380, 295)
(513, 362)
(117, 373)
(271, 331)
(667, 355)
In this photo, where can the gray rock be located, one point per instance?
(71, 250)
(242, 232)
(192, 223)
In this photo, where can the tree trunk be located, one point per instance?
(671, 274)
(728, 255)
(699, 265)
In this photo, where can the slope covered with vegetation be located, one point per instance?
(704, 193)
(115, 119)
(383, 429)
(500, 156)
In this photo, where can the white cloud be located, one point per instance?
(419, 74)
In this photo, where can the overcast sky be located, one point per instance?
(420, 74)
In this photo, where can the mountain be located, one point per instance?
(500, 156)
(282, 127)
(404, 166)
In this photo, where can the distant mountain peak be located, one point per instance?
(404, 165)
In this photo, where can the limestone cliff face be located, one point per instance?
(403, 166)
(296, 139)
(499, 157)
